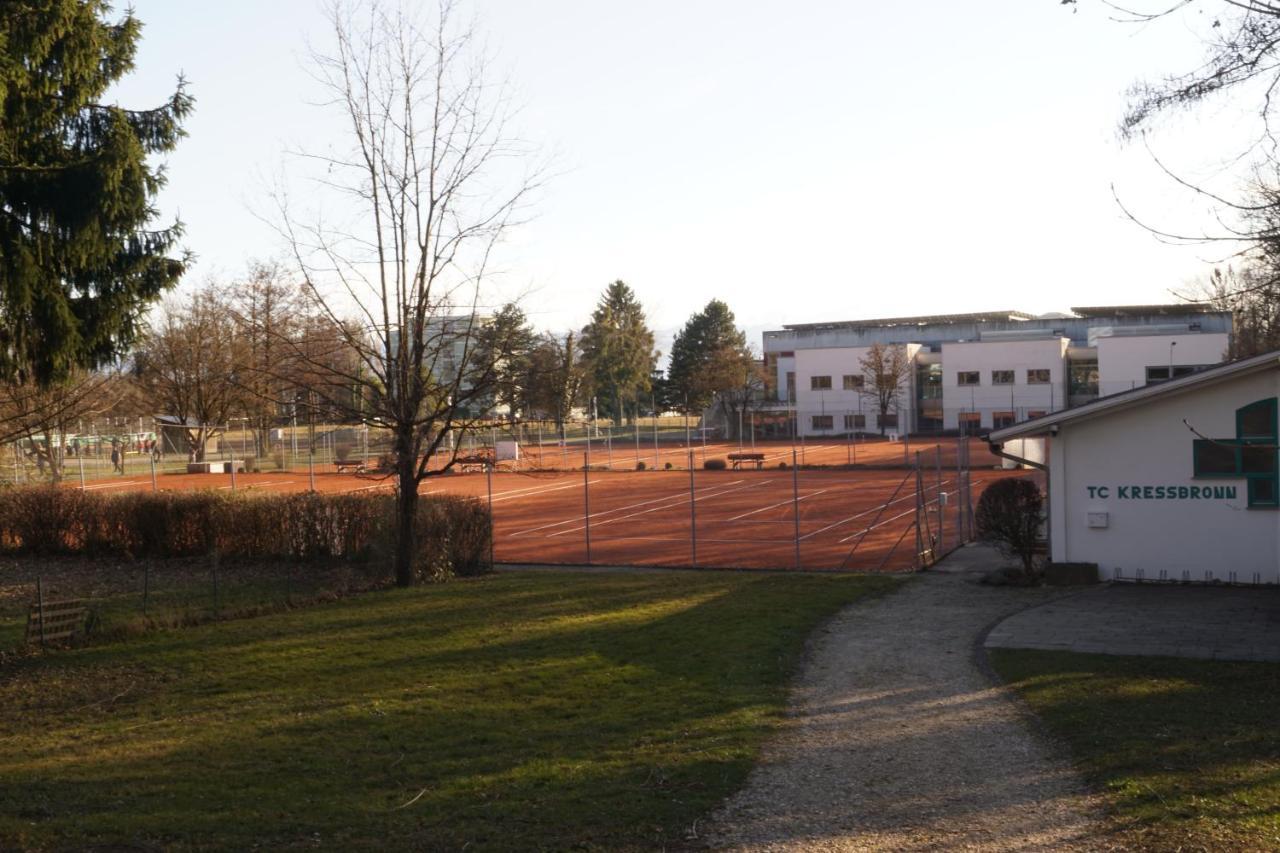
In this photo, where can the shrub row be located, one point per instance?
(452, 534)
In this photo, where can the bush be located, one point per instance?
(668, 466)
(342, 450)
(452, 536)
(1010, 513)
(278, 458)
(715, 464)
(640, 466)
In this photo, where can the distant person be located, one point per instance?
(116, 467)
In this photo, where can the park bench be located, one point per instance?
(55, 621)
(478, 462)
(740, 459)
(355, 466)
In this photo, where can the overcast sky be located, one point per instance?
(804, 161)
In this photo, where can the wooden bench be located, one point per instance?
(56, 622)
(739, 459)
(479, 462)
(354, 465)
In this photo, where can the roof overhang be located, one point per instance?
(1137, 397)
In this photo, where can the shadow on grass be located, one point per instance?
(1186, 752)
(507, 713)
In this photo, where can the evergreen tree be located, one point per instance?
(78, 264)
(617, 346)
(707, 357)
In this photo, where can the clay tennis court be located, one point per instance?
(625, 455)
(840, 518)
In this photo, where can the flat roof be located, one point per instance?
(922, 320)
(1179, 309)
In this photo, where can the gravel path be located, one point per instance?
(899, 742)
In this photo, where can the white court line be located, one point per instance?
(114, 485)
(791, 500)
(606, 511)
(683, 499)
(259, 485)
(883, 523)
(842, 521)
(542, 490)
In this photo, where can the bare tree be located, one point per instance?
(555, 378)
(191, 366)
(432, 182)
(268, 309)
(886, 368)
(44, 417)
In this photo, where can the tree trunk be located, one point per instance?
(406, 509)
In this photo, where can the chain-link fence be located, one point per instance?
(124, 597)
(744, 513)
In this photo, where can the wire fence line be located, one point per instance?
(783, 518)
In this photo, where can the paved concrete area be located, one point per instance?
(1220, 623)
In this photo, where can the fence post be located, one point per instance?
(937, 451)
(657, 457)
(153, 471)
(40, 608)
(80, 457)
(586, 502)
(214, 563)
(489, 486)
(919, 514)
(311, 465)
(795, 501)
(693, 514)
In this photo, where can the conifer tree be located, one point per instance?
(79, 263)
(617, 346)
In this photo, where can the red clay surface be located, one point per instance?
(624, 455)
(847, 519)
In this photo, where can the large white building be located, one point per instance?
(977, 372)
(1177, 481)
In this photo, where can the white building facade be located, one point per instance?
(1177, 481)
(976, 372)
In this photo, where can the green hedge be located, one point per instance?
(453, 532)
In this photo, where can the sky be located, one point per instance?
(803, 162)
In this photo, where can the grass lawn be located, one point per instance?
(1186, 752)
(522, 711)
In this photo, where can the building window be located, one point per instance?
(823, 421)
(1002, 377)
(791, 386)
(889, 421)
(1038, 376)
(855, 422)
(1250, 455)
(854, 382)
(970, 422)
(1000, 420)
(1161, 374)
(968, 377)
(1082, 379)
(819, 383)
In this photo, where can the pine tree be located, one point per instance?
(617, 346)
(699, 354)
(78, 264)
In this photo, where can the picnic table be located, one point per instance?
(740, 459)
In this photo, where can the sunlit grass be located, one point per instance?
(522, 712)
(1186, 752)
